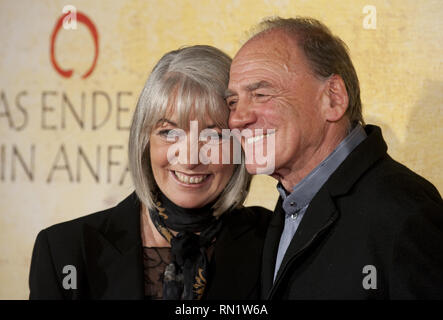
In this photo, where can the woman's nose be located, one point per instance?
(193, 152)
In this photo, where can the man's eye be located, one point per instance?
(261, 95)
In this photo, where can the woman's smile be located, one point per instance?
(194, 180)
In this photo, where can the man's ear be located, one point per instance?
(337, 97)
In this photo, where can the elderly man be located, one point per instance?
(351, 223)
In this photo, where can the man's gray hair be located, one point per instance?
(189, 81)
(326, 53)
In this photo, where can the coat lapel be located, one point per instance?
(270, 248)
(114, 254)
(317, 220)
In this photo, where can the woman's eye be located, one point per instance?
(231, 103)
(172, 134)
(213, 137)
(209, 135)
(163, 132)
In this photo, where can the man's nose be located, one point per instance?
(242, 116)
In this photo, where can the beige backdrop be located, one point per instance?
(54, 166)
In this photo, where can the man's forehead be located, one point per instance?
(273, 55)
(267, 55)
(274, 42)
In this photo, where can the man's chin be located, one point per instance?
(259, 169)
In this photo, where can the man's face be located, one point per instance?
(272, 86)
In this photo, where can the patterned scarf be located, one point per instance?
(185, 277)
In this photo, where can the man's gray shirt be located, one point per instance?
(296, 203)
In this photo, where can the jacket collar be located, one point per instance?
(369, 151)
(321, 213)
(113, 253)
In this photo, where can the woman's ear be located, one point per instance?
(338, 99)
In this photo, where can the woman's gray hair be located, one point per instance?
(191, 80)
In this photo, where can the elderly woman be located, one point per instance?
(183, 233)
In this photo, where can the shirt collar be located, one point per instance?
(305, 190)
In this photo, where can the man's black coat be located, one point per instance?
(373, 231)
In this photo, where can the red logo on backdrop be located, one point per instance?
(90, 25)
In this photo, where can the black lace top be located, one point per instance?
(155, 261)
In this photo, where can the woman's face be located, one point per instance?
(189, 185)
